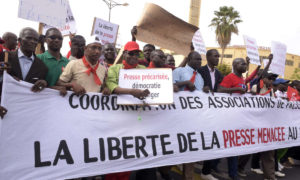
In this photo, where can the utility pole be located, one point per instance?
(111, 4)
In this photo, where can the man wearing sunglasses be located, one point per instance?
(52, 57)
(130, 55)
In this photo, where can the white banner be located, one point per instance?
(70, 24)
(158, 81)
(51, 12)
(46, 136)
(279, 57)
(106, 31)
(198, 43)
(252, 50)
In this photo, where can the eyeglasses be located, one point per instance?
(55, 37)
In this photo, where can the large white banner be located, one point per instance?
(106, 31)
(46, 136)
(51, 12)
(252, 50)
(69, 27)
(279, 57)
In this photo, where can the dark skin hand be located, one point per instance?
(133, 33)
(188, 84)
(232, 90)
(3, 111)
(206, 89)
(62, 90)
(4, 66)
(140, 94)
(39, 85)
(175, 88)
(76, 88)
(106, 91)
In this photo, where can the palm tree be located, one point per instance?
(225, 22)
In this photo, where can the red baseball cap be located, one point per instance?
(131, 46)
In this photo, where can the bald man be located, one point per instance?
(10, 41)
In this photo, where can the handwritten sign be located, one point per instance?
(157, 81)
(252, 50)
(106, 31)
(70, 24)
(279, 57)
(51, 12)
(198, 43)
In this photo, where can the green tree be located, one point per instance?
(224, 69)
(296, 74)
(225, 22)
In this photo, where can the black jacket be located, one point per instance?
(204, 71)
(37, 71)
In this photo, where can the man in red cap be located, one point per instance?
(131, 54)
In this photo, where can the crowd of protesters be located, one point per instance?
(90, 67)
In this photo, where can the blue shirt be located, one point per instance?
(25, 63)
(185, 74)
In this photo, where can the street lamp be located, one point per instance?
(111, 4)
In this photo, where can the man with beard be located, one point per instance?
(86, 74)
(53, 58)
(77, 47)
(131, 54)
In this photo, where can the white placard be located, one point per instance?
(252, 50)
(46, 136)
(266, 61)
(51, 12)
(279, 57)
(106, 31)
(158, 81)
(198, 43)
(70, 26)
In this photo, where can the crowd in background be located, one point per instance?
(92, 67)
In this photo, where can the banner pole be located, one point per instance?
(38, 47)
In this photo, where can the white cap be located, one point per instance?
(93, 39)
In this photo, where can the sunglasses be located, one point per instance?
(134, 53)
(55, 37)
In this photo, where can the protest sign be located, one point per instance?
(198, 43)
(265, 61)
(46, 136)
(279, 57)
(69, 27)
(158, 81)
(106, 31)
(161, 28)
(51, 12)
(252, 50)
